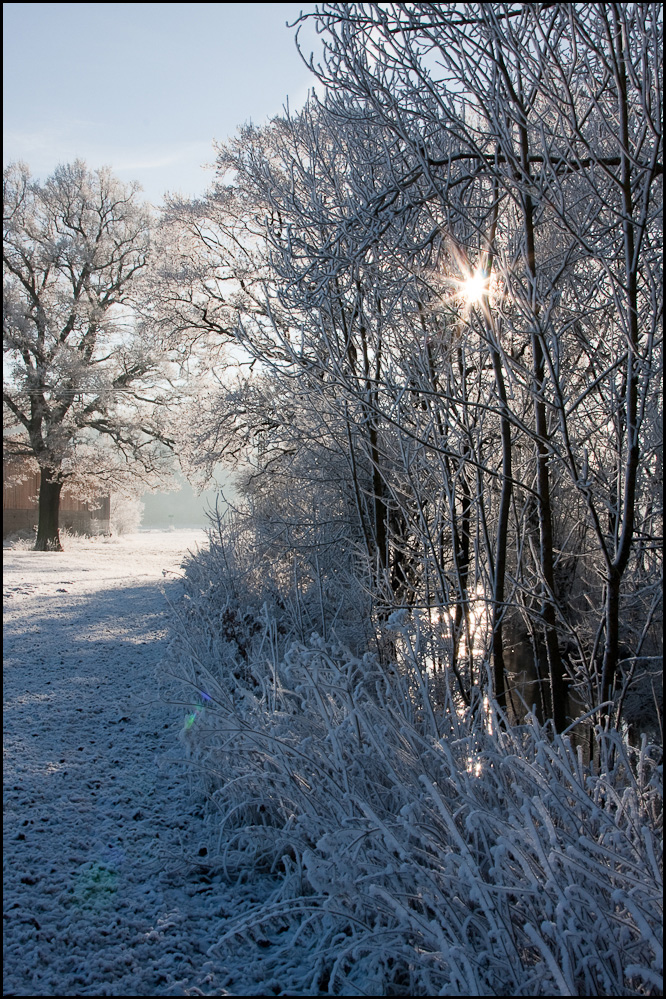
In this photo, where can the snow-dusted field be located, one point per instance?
(113, 869)
(97, 897)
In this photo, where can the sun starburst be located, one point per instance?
(474, 287)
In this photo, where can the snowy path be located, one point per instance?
(97, 899)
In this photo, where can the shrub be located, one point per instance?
(410, 848)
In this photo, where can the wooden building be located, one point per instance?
(20, 492)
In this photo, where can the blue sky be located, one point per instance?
(144, 88)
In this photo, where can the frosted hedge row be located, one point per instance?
(406, 847)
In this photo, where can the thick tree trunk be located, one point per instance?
(48, 537)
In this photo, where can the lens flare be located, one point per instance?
(197, 709)
(473, 288)
(95, 885)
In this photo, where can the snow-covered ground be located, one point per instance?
(395, 863)
(106, 890)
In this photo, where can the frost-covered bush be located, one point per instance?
(240, 581)
(20, 540)
(126, 513)
(409, 850)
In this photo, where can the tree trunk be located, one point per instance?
(48, 537)
(499, 568)
(558, 684)
(499, 574)
(626, 513)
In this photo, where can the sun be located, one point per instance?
(473, 288)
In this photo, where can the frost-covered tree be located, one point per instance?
(535, 129)
(449, 268)
(85, 381)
